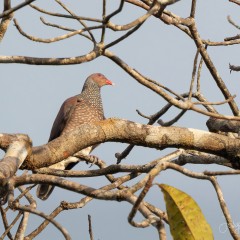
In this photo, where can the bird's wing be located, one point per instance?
(62, 117)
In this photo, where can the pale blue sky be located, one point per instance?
(31, 96)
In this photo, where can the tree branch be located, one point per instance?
(14, 9)
(117, 130)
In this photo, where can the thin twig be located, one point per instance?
(193, 8)
(43, 215)
(224, 208)
(193, 74)
(115, 12)
(23, 194)
(117, 183)
(123, 37)
(55, 39)
(136, 22)
(79, 20)
(233, 23)
(136, 205)
(90, 227)
(9, 227)
(63, 27)
(64, 15)
(103, 18)
(174, 120)
(22, 226)
(199, 74)
(216, 103)
(6, 225)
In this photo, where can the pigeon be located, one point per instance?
(83, 108)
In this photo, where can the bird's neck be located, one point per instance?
(92, 94)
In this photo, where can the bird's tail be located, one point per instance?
(44, 191)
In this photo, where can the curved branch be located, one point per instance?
(64, 15)
(50, 61)
(16, 153)
(117, 130)
(43, 215)
(55, 39)
(62, 27)
(136, 22)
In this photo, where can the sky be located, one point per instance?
(32, 95)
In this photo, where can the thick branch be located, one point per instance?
(14, 157)
(117, 130)
(6, 20)
(215, 125)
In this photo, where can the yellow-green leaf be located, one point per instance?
(186, 219)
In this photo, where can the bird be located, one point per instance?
(83, 108)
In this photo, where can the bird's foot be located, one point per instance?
(93, 160)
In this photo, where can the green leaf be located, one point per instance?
(186, 219)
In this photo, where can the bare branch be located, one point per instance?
(235, 1)
(224, 208)
(22, 226)
(234, 68)
(63, 27)
(136, 22)
(193, 74)
(215, 125)
(14, 157)
(104, 20)
(6, 20)
(5, 223)
(152, 136)
(64, 15)
(220, 83)
(14, 9)
(233, 23)
(43, 215)
(174, 120)
(123, 37)
(65, 206)
(51, 61)
(193, 8)
(142, 80)
(115, 12)
(216, 103)
(79, 20)
(90, 227)
(55, 39)
(136, 205)
(199, 73)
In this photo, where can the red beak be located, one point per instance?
(109, 82)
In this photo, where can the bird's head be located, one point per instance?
(100, 79)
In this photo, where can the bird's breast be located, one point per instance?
(83, 113)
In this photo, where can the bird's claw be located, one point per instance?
(93, 160)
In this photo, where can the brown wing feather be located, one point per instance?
(62, 117)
